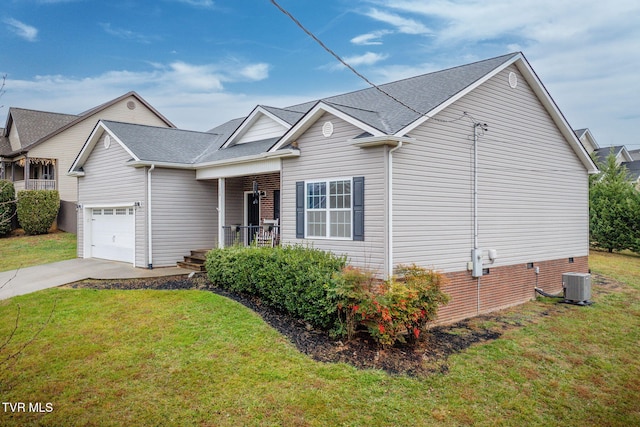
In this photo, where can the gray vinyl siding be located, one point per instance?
(109, 181)
(533, 190)
(184, 215)
(263, 128)
(334, 157)
(65, 146)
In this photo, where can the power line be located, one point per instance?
(342, 61)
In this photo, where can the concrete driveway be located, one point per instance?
(32, 279)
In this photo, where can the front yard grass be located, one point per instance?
(195, 358)
(26, 251)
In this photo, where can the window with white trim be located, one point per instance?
(329, 209)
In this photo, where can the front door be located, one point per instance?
(253, 215)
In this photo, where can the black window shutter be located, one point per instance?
(358, 208)
(300, 210)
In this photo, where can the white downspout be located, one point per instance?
(390, 212)
(221, 211)
(149, 228)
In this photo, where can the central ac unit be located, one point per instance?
(577, 288)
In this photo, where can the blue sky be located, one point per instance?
(202, 62)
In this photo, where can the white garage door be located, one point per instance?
(112, 234)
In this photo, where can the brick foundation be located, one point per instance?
(504, 287)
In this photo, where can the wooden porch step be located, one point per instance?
(195, 261)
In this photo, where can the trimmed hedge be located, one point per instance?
(37, 209)
(7, 206)
(294, 279)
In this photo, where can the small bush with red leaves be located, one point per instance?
(395, 310)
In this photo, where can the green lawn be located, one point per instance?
(195, 358)
(26, 251)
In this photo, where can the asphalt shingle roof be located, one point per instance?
(603, 153)
(158, 144)
(33, 125)
(370, 106)
(633, 168)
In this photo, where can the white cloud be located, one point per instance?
(126, 34)
(583, 51)
(372, 38)
(23, 30)
(205, 4)
(403, 25)
(366, 59)
(192, 96)
(255, 72)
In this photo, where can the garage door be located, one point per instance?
(112, 234)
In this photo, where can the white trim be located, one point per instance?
(89, 145)
(240, 169)
(87, 215)
(377, 141)
(431, 113)
(250, 120)
(328, 209)
(222, 213)
(312, 116)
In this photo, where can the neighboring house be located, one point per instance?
(37, 148)
(623, 156)
(361, 174)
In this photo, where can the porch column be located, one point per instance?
(221, 211)
(26, 171)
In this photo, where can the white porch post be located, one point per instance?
(221, 211)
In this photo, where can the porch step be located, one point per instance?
(195, 261)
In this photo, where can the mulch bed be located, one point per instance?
(427, 357)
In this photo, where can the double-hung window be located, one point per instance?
(329, 209)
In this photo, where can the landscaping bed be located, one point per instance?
(428, 356)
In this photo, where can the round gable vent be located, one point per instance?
(107, 141)
(513, 80)
(131, 105)
(327, 129)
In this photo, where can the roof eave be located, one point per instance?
(252, 158)
(378, 141)
(312, 116)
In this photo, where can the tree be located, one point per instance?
(614, 209)
(7, 206)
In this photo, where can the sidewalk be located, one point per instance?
(32, 279)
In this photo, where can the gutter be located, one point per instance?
(231, 161)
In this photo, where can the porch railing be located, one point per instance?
(256, 235)
(40, 184)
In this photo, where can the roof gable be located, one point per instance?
(262, 123)
(32, 125)
(151, 144)
(51, 124)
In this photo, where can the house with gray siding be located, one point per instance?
(37, 148)
(472, 171)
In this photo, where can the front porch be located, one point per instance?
(248, 215)
(30, 173)
(249, 210)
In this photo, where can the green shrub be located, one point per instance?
(294, 279)
(37, 209)
(391, 311)
(7, 206)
